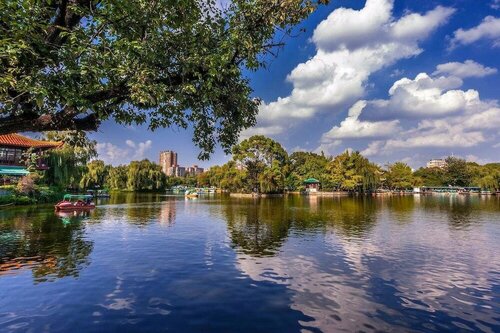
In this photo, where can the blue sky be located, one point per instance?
(403, 80)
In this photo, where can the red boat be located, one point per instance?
(72, 202)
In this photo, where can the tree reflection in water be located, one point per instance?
(385, 263)
(260, 226)
(51, 246)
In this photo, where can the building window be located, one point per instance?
(11, 155)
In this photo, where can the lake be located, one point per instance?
(149, 263)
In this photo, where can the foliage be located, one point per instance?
(30, 158)
(95, 176)
(399, 176)
(457, 172)
(71, 64)
(305, 165)
(431, 176)
(265, 160)
(229, 177)
(145, 176)
(117, 178)
(26, 185)
(67, 164)
(353, 172)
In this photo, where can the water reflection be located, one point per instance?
(168, 212)
(365, 275)
(50, 246)
(260, 227)
(301, 263)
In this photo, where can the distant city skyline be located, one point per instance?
(418, 80)
(170, 166)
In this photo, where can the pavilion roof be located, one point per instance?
(17, 140)
(311, 181)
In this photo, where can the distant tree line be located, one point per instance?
(259, 164)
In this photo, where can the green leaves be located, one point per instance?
(353, 172)
(163, 62)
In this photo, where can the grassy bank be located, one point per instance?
(40, 195)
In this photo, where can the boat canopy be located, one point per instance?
(77, 196)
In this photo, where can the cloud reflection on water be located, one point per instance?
(365, 270)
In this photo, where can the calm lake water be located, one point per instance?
(298, 264)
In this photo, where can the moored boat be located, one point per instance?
(191, 194)
(72, 202)
(103, 194)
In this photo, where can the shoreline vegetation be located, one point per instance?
(260, 167)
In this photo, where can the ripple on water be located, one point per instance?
(316, 265)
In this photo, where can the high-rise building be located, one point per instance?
(437, 163)
(168, 159)
(176, 171)
(194, 170)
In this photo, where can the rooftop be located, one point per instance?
(17, 140)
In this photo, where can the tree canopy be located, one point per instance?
(399, 176)
(351, 171)
(69, 64)
(265, 161)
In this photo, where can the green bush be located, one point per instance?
(6, 199)
(24, 200)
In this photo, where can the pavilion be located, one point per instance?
(312, 185)
(12, 150)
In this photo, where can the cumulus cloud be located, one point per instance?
(488, 29)
(373, 148)
(446, 117)
(351, 45)
(264, 130)
(424, 96)
(113, 154)
(472, 127)
(329, 148)
(469, 68)
(352, 127)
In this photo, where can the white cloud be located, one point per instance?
(264, 130)
(130, 143)
(328, 148)
(424, 96)
(495, 4)
(352, 127)
(373, 148)
(478, 160)
(447, 117)
(445, 136)
(351, 45)
(142, 148)
(469, 68)
(113, 154)
(488, 29)
(469, 129)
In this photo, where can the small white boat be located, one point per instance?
(191, 194)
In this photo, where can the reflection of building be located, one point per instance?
(194, 170)
(168, 212)
(168, 159)
(13, 149)
(437, 163)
